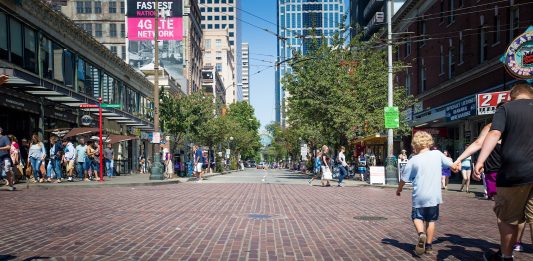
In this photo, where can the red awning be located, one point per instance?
(113, 138)
(81, 131)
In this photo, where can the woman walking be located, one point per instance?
(466, 171)
(14, 153)
(36, 156)
(326, 171)
(316, 168)
(446, 172)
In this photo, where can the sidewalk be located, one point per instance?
(133, 180)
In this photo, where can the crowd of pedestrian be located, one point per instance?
(61, 161)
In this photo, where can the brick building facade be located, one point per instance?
(452, 51)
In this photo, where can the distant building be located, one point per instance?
(193, 44)
(369, 16)
(224, 15)
(219, 54)
(296, 20)
(213, 86)
(245, 72)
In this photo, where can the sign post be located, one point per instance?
(392, 118)
(101, 141)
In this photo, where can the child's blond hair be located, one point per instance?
(422, 140)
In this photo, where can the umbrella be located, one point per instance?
(81, 131)
(113, 138)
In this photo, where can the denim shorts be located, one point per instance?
(429, 214)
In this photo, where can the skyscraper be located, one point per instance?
(224, 14)
(296, 21)
(245, 72)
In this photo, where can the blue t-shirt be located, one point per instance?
(4, 141)
(425, 171)
(198, 156)
(81, 151)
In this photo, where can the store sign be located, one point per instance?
(141, 18)
(439, 132)
(461, 109)
(487, 102)
(519, 56)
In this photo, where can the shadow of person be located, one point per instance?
(481, 244)
(7, 257)
(407, 247)
(459, 245)
(459, 253)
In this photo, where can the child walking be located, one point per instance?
(424, 171)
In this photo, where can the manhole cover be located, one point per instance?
(369, 218)
(259, 216)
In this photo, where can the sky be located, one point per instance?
(262, 55)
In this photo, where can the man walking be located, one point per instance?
(82, 162)
(512, 123)
(198, 162)
(70, 155)
(5, 159)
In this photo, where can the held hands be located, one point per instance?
(478, 169)
(456, 166)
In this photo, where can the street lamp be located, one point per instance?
(157, 167)
(391, 171)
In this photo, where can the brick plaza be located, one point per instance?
(191, 221)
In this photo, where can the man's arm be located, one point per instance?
(473, 148)
(488, 146)
(3, 79)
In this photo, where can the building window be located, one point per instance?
(112, 7)
(122, 7)
(112, 30)
(441, 11)
(88, 7)
(483, 48)
(123, 48)
(422, 76)
(219, 55)
(15, 34)
(97, 7)
(207, 44)
(218, 43)
(461, 48)
(408, 47)
(98, 30)
(515, 23)
(451, 60)
(451, 11)
(423, 32)
(441, 59)
(79, 7)
(123, 30)
(408, 82)
(113, 49)
(497, 24)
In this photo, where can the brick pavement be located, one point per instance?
(213, 222)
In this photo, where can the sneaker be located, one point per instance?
(309, 181)
(429, 250)
(11, 188)
(518, 247)
(421, 245)
(489, 256)
(58, 181)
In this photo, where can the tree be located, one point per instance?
(243, 126)
(339, 89)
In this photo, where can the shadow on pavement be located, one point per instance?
(7, 257)
(458, 250)
(407, 247)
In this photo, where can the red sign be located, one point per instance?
(440, 132)
(85, 106)
(487, 102)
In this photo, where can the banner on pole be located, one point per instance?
(141, 18)
(487, 102)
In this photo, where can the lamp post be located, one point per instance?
(157, 167)
(391, 171)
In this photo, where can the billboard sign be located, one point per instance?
(519, 56)
(141, 19)
(487, 102)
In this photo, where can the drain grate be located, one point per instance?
(370, 218)
(259, 216)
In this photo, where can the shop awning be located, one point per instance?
(113, 138)
(372, 139)
(59, 132)
(81, 131)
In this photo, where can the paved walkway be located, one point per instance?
(236, 221)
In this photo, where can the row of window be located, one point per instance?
(23, 46)
(311, 7)
(300, 1)
(115, 49)
(87, 7)
(216, 1)
(218, 18)
(218, 26)
(98, 29)
(217, 9)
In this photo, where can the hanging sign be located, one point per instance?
(487, 102)
(519, 56)
(141, 18)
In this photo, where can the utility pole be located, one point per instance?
(391, 170)
(157, 168)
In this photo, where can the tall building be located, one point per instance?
(224, 14)
(296, 20)
(368, 16)
(219, 55)
(193, 35)
(104, 20)
(246, 72)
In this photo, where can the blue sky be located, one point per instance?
(262, 55)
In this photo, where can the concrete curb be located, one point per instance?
(22, 186)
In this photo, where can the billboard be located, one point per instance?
(487, 102)
(140, 19)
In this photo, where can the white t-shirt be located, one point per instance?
(342, 159)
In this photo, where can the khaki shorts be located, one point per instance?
(514, 205)
(70, 165)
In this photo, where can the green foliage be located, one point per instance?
(338, 92)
